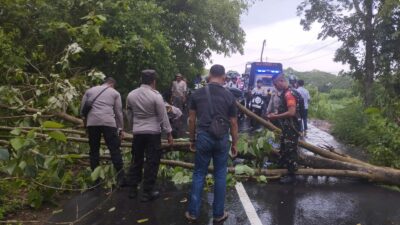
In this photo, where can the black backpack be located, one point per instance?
(300, 109)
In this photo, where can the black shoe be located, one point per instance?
(133, 193)
(289, 179)
(149, 196)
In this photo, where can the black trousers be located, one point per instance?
(149, 146)
(112, 141)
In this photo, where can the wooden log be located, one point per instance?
(281, 172)
(383, 171)
(164, 145)
(310, 147)
(61, 115)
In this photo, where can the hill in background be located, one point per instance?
(322, 80)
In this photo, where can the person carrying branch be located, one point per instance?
(287, 117)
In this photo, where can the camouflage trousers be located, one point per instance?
(288, 149)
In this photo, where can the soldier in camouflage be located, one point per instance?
(287, 116)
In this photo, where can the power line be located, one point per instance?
(301, 55)
(307, 60)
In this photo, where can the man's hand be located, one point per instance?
(170, 139)
(234, 151)
(272, 116)
(192, 147)
(121, 134)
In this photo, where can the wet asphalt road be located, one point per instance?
(312, 200)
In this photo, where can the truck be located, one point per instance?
(263, 71)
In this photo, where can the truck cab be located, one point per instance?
(263, 71)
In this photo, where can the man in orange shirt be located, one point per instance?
(287, 116)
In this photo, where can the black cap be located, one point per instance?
(148, 76)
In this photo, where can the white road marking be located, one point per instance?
(248, 207)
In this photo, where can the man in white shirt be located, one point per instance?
(179, 89)
(149, 118)
(306, 96)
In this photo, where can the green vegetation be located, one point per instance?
(321, 80)
(51, 51)
(75, 39)
(353, 123)
(369, 129)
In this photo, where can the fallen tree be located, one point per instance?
(315, 149)
(327, 163)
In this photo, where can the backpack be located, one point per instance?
(300, 108)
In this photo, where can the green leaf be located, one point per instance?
(17, 143)
(30, 171)
(16, 131)
(31, 133)
(35, 199)
(58, 135)
(244, 169)
(48, 161)
(22, 165)
(52, 124)
(96, 173)
(102, 174)
(10, 168)
(262, 179)
(180, 178)
(4, 154)
(101, 17)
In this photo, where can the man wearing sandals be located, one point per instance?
(209, 146)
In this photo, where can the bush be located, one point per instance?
(338, 94)
(369, 129)
(348, 123)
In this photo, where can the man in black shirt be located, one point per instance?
(221, 105)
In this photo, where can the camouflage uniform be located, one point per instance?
(289, 138)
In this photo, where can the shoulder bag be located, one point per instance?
(219, 126)
(87, 106)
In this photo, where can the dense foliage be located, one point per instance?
(354, 124)
(51, 51)
(118, 38)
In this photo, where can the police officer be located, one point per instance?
(148, 115)
(287, 118)
(105, 118)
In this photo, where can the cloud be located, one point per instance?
(288, 43)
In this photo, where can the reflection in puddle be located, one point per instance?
(322, 206)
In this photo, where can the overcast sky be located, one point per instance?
(286, 41)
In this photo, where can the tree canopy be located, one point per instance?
(369, 33)
(76, 39)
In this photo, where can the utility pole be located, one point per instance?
(262, 50)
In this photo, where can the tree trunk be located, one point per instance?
(311, 172)
(369, 53)
(310, 147)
